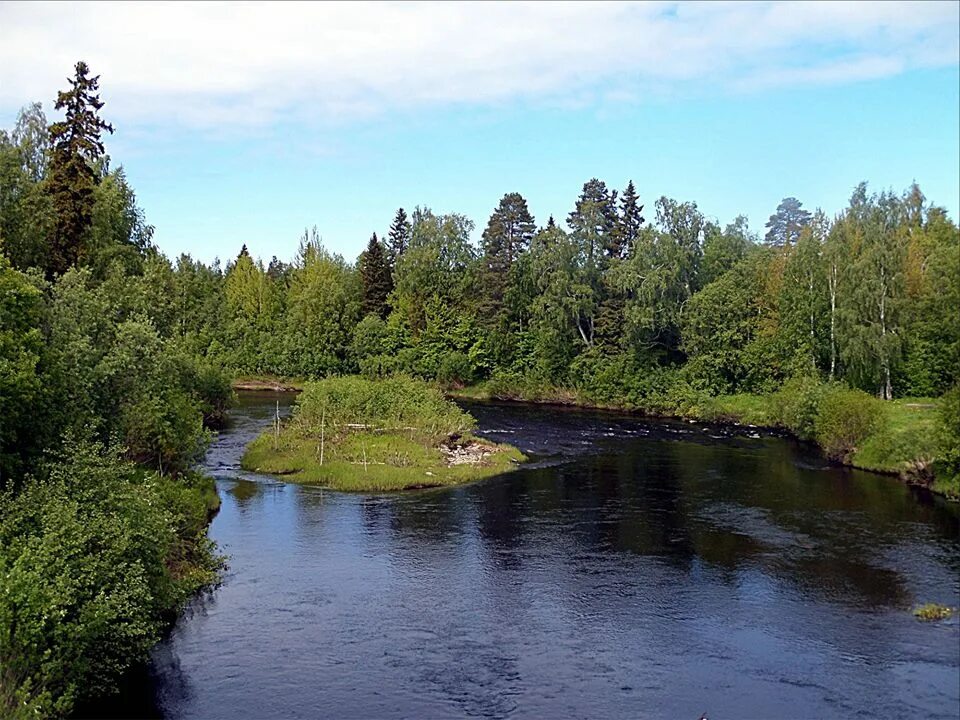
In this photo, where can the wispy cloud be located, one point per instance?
(246, 65)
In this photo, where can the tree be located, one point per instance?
(323, 306)
(631, 219)
(375, 279)
(804, 298)
(118, 230)
(32, 137)
(593, 220)
(21, 386)
(723, 250)
(26, 215)
(77, 149)
(871, 342)
(785, 224)
(437, 263)
(398, 239)
(506, 237)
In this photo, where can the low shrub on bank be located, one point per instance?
(797, 404)
(844, 419)
(95, 555)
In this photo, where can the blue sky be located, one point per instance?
(733, 106)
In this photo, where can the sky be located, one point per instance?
(245, 123)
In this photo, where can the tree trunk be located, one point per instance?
(832, 282)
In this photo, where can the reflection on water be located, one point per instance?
(635, 569)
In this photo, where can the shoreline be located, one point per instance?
(567, 400)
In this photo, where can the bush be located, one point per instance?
(796, 405)
(94, 558)
(455, 370)
(845, 418)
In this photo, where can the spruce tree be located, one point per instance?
(398, 238)
(76, 150)
(630, 220)
(375, 279)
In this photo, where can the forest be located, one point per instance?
(116, 361)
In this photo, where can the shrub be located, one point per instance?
(94, 557)
(844, 419)
(455, 370)
(796, 405)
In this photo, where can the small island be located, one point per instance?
(353, 434)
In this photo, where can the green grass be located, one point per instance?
(905, 436)
(367, 461)
(741, 408)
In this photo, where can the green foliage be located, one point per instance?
(455, 370)
(77, 149)
(375, 278)
(505, 239)
(797, 404)
(844, 419)
(948, 441)
(398, 403)
(352, 433)
(904, 442)
(94, 557)
(21, 382)
(786, 224)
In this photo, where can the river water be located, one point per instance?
(634, 569)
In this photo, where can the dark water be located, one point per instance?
(637, 569)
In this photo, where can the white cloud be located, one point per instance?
(244, 65)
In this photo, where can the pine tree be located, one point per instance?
(593, 220)
(398, 238)
(507, 236)
(375, 279)
(76, 150)
(785, 224)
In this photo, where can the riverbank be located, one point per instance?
(267, 383)
(901, 439)
(360, 435)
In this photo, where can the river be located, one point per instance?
(634, 569)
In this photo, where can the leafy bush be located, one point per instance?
(845, 418)
(370, 338)
(455, 370)
(797, 404)
(94, 555)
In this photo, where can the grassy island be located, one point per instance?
(354, 434)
